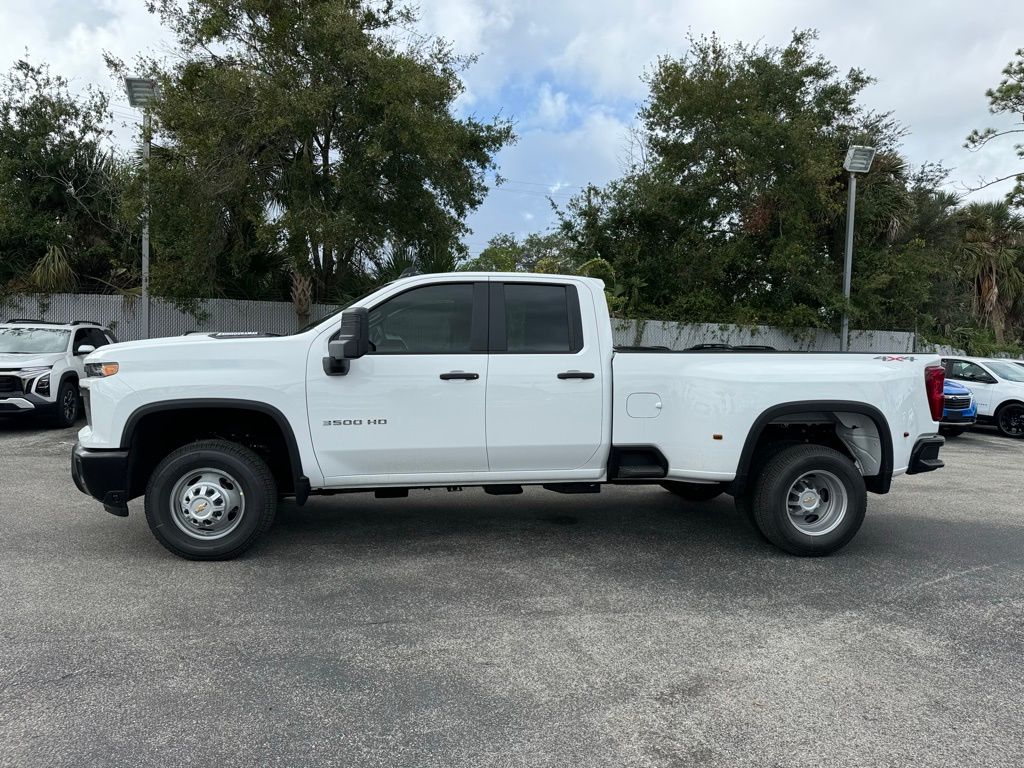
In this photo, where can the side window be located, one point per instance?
(435, 319)
(965, 371)
(96, 337)
(81, 337)
(538, 319)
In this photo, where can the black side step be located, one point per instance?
(572, 487)
(636, 462)
(391, 493)
(503, 490)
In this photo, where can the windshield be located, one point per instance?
(37, 341)
(1008, 371)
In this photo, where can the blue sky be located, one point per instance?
(568, 73)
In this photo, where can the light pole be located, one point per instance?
(141, 93)
(858, 160)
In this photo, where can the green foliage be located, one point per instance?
(60, 188)
(506, 253)
(313, 133)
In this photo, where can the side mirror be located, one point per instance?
(85, 349)
(352, 343)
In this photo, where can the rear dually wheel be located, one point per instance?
(809, 500)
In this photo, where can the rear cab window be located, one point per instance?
(535, 318)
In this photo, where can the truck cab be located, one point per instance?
(499, 381)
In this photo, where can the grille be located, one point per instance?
(957, 402)
(10, 385)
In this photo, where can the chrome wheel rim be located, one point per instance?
(1011, 420)
(207, 503)
(69, 404)
(816, 503)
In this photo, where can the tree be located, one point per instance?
(737, 211)
(506, 253)
(61, 188)
(310, 135)
(992, 253)
(1006, 98)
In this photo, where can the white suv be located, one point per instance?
(998, 387)
(41, 364)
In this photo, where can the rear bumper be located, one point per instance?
(102, 475)
(925, 456)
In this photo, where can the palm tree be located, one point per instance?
(992, 255)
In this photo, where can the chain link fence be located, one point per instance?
(123, 315)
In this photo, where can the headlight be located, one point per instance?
(43, 386)
(100, 370)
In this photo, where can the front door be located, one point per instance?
(545, 382)
(415, 405)
(975, 378)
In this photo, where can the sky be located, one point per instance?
(568, 73)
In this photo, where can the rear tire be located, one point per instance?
(210, 500)
(809, 500)
(1010, 420)
(693, 491)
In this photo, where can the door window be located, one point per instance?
(541, 319)
(432, 320)
(963, 370)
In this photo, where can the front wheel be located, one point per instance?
(66, 413)
(809, 500)
(210, 500)
(1010, 420)
(693, 491)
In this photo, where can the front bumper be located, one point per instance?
(925, 456)
(102, 475)
(28, 402)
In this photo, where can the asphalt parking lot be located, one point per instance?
(458, 629)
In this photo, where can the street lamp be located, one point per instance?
(141, 93)
(858, 160)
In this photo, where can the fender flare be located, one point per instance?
(879, 483)
(300, 480)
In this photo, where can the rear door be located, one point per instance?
(545, 379)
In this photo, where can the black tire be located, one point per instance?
(1010, 420)
(66, 408)
(771, 491)
(255, 484)
(951, 431)
(693, 491)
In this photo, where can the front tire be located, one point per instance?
(809, 500)
(1010, 420)
(693, 491)
(66, 413)
(210, 500)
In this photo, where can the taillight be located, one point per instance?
(934, 379)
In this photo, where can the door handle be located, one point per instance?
(459, 375)
(576, 375)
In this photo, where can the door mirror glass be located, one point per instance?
(352, 342)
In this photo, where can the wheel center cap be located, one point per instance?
(809, 501)
(201, 509)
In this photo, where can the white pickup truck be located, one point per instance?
(499, 381)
